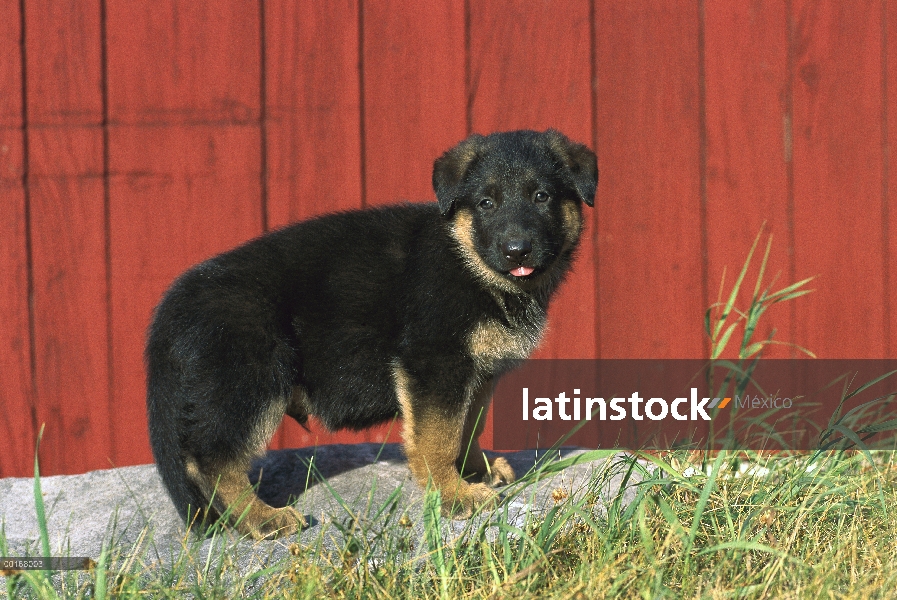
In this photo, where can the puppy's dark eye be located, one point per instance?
(487, 203)
(541, 196)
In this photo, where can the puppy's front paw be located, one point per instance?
(500, 473)
(469, 497)
(495, 472)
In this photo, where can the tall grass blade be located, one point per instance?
(99, 586)
(869, 384)
(727, 309)
(763, 263)
(39, 504)
(702, 503)
(749, 546)
(783, 294)
(433, 537)
(39, 501)
(723, 342)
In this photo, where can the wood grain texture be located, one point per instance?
(531, 69)
(313, 112)
(182, 61)
(10, 65)
(530, 66)
(650, 286)
(889, 32)
(17, 432)
(226, 118)
(63, 47)
(16, 399)
(838, 176)
(70, 298)
(413, 95)
(68, 234)
(748, 115)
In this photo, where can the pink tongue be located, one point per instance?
(522, 271)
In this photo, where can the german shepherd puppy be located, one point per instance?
(356, 317)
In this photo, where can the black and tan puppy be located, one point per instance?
(359, 316)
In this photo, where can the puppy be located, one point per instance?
(356, 317)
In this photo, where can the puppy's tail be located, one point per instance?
(188, 497)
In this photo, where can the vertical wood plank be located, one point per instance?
(838, 175)
(530, 66)
(17, 433)
(184, 157)
(890, 149)
(649, 226)
(10, 71)
(413, 94)
(313, 120)
(68, 237)
(531, 69)
(748, 152)
(16, 429)
(70, 298)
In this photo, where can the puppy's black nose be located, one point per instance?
(517, 250)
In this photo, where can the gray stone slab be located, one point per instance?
(360, 488)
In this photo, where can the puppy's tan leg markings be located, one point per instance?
(256, 518)
(432, 445)
(497, 471)
(230, 489)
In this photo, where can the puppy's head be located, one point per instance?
(515, 200)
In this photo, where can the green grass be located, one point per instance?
(682, 524)
(807, 527)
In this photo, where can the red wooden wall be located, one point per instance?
(137, 138)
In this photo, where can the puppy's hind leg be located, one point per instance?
(220, 470)
(247, 512)
(232, 496)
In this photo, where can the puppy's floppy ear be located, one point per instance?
(450, 168)
(580, 162)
